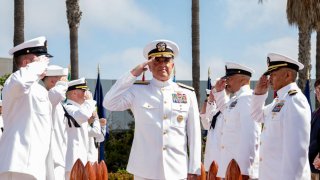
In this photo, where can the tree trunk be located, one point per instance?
(304, 55)
(317, 63)
(195, 48)
(74, 17)
(74, 56)
(18, 35)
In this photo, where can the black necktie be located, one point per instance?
(214, 120)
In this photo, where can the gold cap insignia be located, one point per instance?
(161, 46)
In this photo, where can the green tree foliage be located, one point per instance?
(117, 149)
(3, 79)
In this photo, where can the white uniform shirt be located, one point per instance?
(285, 136)
(95, 136)
(165, 116)
(59, 136)
(24, 144)
(212, 151)
(77, 146)
(240, 134)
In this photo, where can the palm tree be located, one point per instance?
(195, 47)
(302, 14)
(74, 17)
(18, 35)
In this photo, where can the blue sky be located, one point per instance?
(114, 32)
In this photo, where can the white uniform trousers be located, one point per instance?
(16, 176)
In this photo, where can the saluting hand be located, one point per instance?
(262, 85)
(88, 95)
(220, 85)
(103, 121)
(138, 70)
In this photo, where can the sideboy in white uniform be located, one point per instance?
(80, 106)
(24, 144)
(56, 83)
(166, 115)
(212, 120)
(240, 134)
(286, 131)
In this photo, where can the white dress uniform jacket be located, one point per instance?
(285, 135)
(24, 144)
(166, 123)
(96, 135)
(59, 136)
(78, 136)
(240, 134)
(212, 151)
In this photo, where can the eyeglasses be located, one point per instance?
(159, 60)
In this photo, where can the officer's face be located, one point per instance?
(278, 79)
(52, 80)
(161, 68)
(233, 83)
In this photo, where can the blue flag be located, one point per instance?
(98, 96)
(209, 86)
(307, 93)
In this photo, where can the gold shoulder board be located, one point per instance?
(292, 92)
(185, 86)
(140, 82)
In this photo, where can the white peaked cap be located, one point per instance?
(54, 70)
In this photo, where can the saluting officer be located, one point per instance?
(56, 83)
(24, 144)
(286, 132)
(166, 118)
(239, 133)
(212, 120)
(79, 107)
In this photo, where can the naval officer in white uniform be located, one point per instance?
(56, 83)
(212, 120)
(80, 107)
(25, 141)
(167, 124)
(239, 133)
(286, 132)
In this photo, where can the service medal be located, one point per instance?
(179, 118)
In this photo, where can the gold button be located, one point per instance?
(164, 148)
(165, 116)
